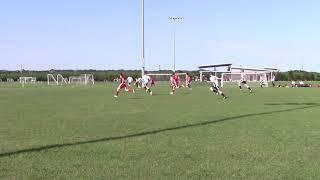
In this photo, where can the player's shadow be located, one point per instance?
(135, 98)
(151, 132)
(293, 104)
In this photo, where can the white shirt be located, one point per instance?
(261, 78)
(145, 79)
(129, 79)
(243, 77)
(214, 79)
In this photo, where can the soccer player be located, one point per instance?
(145, 83)
(152, 81)
(293, 83)
(261, 81)
(215, 86)
(130, 81)
(243, 80)
(122, 85)
(138, 82)
(273, 78)
(188, 81)
(174, 82)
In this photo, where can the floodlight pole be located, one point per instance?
(174, 19)
(142, 36)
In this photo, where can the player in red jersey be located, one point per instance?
(188, 80)
(152, 81)
(174, 82)
(122, 85)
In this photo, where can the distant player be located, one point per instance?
(215, 86)
(188, 81)
(138, 82)
(261, 81)
(243, 81)
(152, 81)
(145, 81)
(174, 82)
(122, 85)
(273, 78)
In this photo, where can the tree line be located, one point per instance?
(110, 75)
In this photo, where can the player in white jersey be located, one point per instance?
(262, 83)
(273, 78)
(243, 81)
(146, 80)
(215, 86)
(138, 82)
(129, 82)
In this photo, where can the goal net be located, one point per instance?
(83, 79)
(56, 79)
(164, 79)
(28, 80)
(253, 79)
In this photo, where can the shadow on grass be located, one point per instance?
(151, 132)
(135, 98)
(293, 104)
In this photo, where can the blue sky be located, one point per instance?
(105, 34)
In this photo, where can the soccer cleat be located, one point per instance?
(150, 93)
(115, 96)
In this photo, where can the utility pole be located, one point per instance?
(174, 19)
(142, 36)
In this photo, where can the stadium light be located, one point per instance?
(174, 19)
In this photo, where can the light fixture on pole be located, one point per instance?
(174, 19)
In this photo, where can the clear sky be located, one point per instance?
(106, 34)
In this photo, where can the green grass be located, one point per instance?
(75, 132)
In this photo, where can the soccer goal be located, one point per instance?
(165, 78)
(83, 79)
(56, 79)
(29, 80)
(254, 79)
(10, 80)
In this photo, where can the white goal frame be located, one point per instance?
(57, 79)
(25, 80)
(182, 80)
(251, 77)
(83, 79)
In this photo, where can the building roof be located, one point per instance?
(215, 65)
(250, 69)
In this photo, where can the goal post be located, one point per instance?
(56, 79)
(25, 80)
(83, 79)
(61, 80)
(165, 77)
(232, 79)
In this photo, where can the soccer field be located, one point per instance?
(77, 132)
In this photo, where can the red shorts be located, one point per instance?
(122, 85)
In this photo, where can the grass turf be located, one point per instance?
(84, 133)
